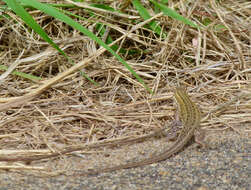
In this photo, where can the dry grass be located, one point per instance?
(65, 111)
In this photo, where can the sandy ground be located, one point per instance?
(225, 164)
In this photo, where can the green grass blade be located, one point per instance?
(21, 74)
(64, 18)
(102, 6)
(27, 18)
(145, 15)
(173, 14)
(20, 11)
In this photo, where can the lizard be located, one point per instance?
(190, 117)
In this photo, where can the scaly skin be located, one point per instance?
(190, 117)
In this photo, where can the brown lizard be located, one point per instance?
(190, 117)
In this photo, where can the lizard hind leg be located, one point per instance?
(199, 137)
